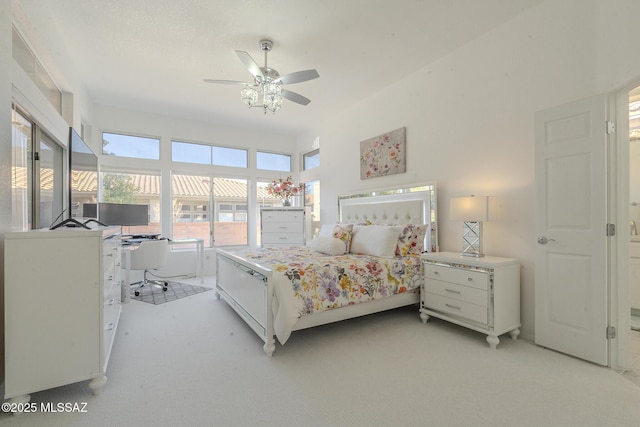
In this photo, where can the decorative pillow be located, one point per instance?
(328, 245)
(375, 240)
(411, 239)
(344, 232)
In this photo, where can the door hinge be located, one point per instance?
(611, 332)
(611, 127)
(611, 230)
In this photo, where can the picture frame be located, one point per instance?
(383, 155)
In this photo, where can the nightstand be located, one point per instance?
(482, 294)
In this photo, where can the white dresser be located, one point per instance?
(62, 305)
(482, 294)
(283, 226)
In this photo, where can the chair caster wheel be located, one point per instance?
(164, 289)
(136, 293)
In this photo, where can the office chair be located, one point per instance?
(150, 255)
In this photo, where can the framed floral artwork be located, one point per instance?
(383, 155)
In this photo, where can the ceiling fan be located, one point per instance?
(268, 82)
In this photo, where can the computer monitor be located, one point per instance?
(124, 214)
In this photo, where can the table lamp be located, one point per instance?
(472, 210)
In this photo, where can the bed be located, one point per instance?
(280, 290)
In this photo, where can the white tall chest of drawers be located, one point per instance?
(283, 226)
(482, 294)
(62, 306)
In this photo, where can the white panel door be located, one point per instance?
(571, 217)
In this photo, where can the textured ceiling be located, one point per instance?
(152, 55)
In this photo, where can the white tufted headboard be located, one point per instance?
(412, 205)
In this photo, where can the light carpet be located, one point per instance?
(194, 362)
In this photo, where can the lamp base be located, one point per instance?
(472, 239)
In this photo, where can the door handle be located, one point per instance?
(543, 240)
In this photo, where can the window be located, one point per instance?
(312, 200)
(21, 171)
(311, 159)
(208, 154)
(193, 197)
(26, 59)
(49, 181)
(37, 190)
(273, 161)
(138, 147)
(139, 189)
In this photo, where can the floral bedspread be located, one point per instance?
(306, 282)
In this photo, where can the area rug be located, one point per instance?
(175, 291)
(635, 322)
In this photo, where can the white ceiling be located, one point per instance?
(152, 55)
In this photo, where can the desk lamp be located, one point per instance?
(473, 211)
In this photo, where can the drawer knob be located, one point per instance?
(453, 306)
(452, 291)
(470, 279)
(436, 273)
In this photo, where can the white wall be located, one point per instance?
(470, 118)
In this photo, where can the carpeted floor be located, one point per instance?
(175, 291)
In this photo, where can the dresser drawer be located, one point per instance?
(282, 238)
(282, 227)
(458, 292)
(282, 216)
(472, 278)
(634, 249)
(477, 313)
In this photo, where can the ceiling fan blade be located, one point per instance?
(227, 82)
(295, 97)
(251, 65)
(298, 77)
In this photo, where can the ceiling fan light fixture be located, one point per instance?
(272, 94)
(267, 82)
(249, 96)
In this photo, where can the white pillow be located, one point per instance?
(328, 245)
(375, 240)
(327, 230)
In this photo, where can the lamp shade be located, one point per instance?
(471, 209)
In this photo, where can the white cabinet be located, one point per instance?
(62, 305)
(283, 226)
(482, 294)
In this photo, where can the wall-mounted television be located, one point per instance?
(83, 174)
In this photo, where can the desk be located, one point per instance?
(126, 254)
(199, 259)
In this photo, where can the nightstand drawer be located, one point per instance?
(473, 312)
(475, 279)
(461, 293)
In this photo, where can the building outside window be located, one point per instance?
(210, 208)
